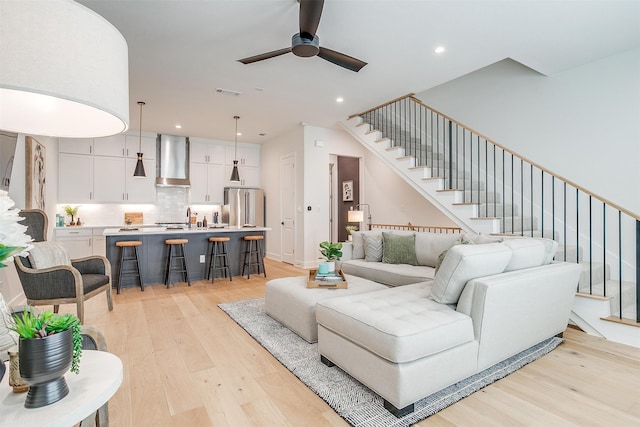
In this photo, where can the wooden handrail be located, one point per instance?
(410, 226)
(513, 153)
(400, 98)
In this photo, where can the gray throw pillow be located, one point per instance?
(372, 248)
(399, 249)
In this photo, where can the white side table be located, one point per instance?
(100, 377)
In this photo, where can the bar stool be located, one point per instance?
(253, 248)
(177, 254)
(218, 258)
(124, 245)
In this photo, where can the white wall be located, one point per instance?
(581, 123)
(390, 198)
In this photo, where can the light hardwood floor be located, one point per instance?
(188, 364)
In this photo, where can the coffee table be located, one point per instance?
(290, 302)
(99, 378)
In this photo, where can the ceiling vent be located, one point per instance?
(227, 92)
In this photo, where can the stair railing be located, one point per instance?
(530, 200)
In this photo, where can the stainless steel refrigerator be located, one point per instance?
(243, 207)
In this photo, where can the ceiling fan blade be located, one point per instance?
(345, 61)
(264, 56)
(310, 12)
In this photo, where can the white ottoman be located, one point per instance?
(290, 302)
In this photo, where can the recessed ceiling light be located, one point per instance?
(439, 49)
(339, 99)
(178, 126)
(239, 133)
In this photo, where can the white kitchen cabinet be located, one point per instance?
(132, 145)
(249, 176)
(248, 155)
(76, 240)
(109, 179)
(207, 183)
(204, 152)
(75, 145)
(75, 178)
(140, 189)
(109, 146)
(98, 242)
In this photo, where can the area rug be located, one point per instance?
(354, 402)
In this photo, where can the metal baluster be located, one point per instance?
(590, 250)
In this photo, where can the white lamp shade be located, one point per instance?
(64, 71)
(355, 216)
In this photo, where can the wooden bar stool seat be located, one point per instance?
(218, 259)
(130, 257)
(179, 255)
(253, 255)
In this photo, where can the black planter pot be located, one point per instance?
(43, 363)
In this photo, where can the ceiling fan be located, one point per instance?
(306, 43)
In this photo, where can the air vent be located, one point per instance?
(227, 92)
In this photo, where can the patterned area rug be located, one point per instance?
(354, 402)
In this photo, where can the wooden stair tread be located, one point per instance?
(623, 321)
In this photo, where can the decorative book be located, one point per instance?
(333, 280)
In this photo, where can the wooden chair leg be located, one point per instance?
(80, 309)
(109, 301)
(56, 307)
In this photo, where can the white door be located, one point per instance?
(288, 208)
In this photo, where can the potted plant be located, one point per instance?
(71, 211)
(349, 229)
(331, 252)
(49, 345)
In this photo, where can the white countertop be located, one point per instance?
(164, 230)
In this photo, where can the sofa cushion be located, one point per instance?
(373, 249)
(466, 262)
(430, 245)
(464, 240)
(530, 252)
(388, 274)
(400, 325)
(398, 249)
(357, 241)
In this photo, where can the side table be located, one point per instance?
(100, 377)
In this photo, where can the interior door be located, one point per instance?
(288, 208)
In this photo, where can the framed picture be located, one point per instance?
(347, 191)
(35, 167)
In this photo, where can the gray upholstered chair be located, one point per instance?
(62, 284)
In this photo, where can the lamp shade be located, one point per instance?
(355, 216)
(64, 71)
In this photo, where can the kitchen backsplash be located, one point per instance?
(170, 206)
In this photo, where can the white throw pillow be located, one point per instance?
(430, 245)
(465, 262)
(528, 252)
(48, 254)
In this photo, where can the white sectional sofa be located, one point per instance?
(486, 303)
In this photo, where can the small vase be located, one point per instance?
(331, 266)
(16, 383)
(43, 363)
(349, 238)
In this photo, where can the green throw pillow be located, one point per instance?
(399, 249)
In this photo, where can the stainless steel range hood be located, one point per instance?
(172, 155)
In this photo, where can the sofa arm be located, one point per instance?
(516, 310)
(347, 251)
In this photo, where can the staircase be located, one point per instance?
(486, 188)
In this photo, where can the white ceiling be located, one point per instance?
(181, 51)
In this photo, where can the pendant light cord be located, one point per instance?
(235, 156)
(140, 103)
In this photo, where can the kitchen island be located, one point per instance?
(153, 253)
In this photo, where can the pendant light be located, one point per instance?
(235, 175)
(64, 71)
(139, 172)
